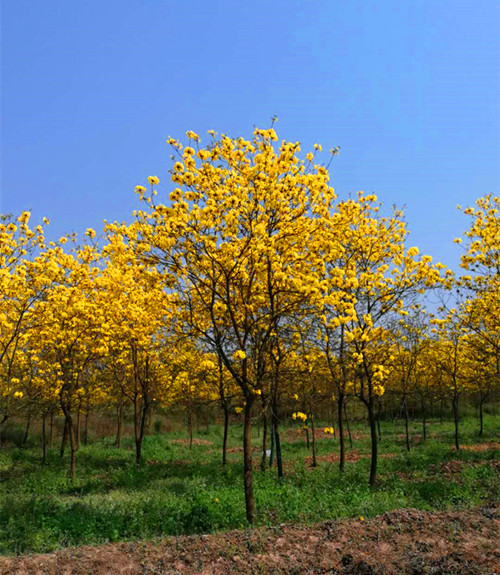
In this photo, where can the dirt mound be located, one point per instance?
(401, 542)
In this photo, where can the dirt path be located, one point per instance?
(397, 543)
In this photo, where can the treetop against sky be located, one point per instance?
(409, 91)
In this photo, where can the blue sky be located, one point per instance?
(90, 91)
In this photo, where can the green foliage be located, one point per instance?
(180, 490)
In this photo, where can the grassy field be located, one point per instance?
(180, 490)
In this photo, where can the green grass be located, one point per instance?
(178, 490)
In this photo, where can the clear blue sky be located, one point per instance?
(91, 89)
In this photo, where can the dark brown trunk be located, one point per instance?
(190, 427)
(226, 432)
(119, 420)
(373, 436)
(263, 461)
(481, 425)
(407, 433)
(247, 461)
(78, 425)
(27, 430)
(340, 409)
(51, 428)
(313, 441)
(424, 421)
(149, 421)
(347, 424)
(455, 419)
(64, 438)
(140, 417)
(44, 439)
(271, 454)
(277, 441)
(72, 441)
(307, 438)
(86, 428)
(378, 422)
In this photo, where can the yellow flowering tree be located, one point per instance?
(237, 235)
(380, 278)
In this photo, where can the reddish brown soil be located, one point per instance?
(481, 446)
(398, 543)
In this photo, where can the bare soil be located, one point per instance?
(402, 542)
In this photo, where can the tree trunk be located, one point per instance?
(44, 439)
(307, 438)
(27, 430)
(51, 428)
(140, 418)
(314, 463)
(347, 424)
(271, 455)
(226, 433)
(190, 426)
(70, 433)
(119, 420)
(64, 438)
(247, 460)
(455, 419)
(340, 414)
(407, 433)
(264, 441)
(277, 443)
(149, 421)
(86, 428)
(379, 407)
(72, 442)
(78, 425)
(373, 435)
(424, 421)
(481, 418)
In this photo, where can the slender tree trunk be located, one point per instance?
(455, 419)
(51, 428)
(149, 421)
(27, 430)
(74, 448)
(373, 435)
(347, 424)
(481, 418)
(332, 415)
(119, 420)
(190, 426)
(271, 455)
(424, 421)
(247, 460)
(277, 441)
(78, 425)
(140, 416)
(340, 415)
(315, 463)
(379, 409)
(64, 438)
(70, 433)
(307, 438)
(407, 433)
(226, 433)
(264, 442)
(86, 428)
(44, 440)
